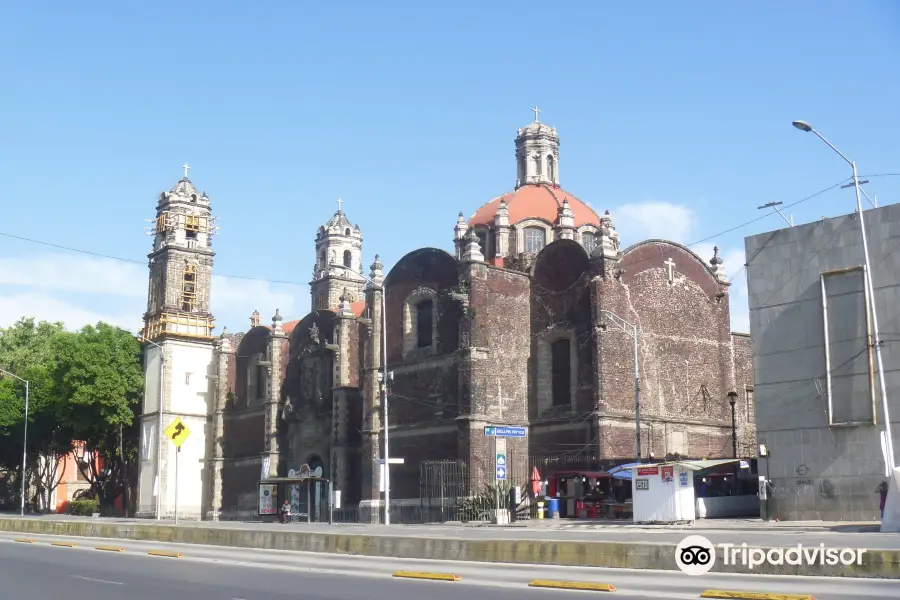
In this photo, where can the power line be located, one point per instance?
(130, 260)
(265, 280)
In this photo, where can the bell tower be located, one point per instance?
(338, 263)
(181, 264)
(178, 353)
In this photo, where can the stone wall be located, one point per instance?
(823, 470)
(560, 307)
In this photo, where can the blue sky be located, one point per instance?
(675, 116)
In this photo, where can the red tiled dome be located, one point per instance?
(536, 201)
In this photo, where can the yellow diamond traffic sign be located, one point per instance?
(178, 432)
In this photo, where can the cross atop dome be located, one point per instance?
(536, 111)
(186, 168)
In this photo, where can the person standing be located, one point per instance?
(882, 490)
(286, 511)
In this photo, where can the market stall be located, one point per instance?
(663, 493)
(577, 494)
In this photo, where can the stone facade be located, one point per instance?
(520, 327)
(818, 403)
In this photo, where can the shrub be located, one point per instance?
(83, 508)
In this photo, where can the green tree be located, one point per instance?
(27, 350)
(98, 371)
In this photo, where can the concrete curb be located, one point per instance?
(875, 564)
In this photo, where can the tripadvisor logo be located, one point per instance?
(696, 555)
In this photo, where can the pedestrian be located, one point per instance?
(882, 490)
(285, 511)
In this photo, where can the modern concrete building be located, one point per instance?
(817, 398)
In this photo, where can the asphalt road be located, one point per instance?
(40, 570)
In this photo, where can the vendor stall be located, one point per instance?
(663, 493)
(578, 494)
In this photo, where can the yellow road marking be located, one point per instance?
(753, 595)
(432, 576)
(573, 585)
(63, 544)
(165, 553)
(109, 548)
(25, 541)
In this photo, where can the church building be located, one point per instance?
(530, 322)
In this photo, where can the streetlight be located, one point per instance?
(632, 330)
(24, 436)
(159, 426)
(732, 398)
(888, 442)
(383, 379)
(774, 206)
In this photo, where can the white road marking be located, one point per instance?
(97, 580)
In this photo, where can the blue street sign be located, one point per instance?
(513, 432)
(501, 466)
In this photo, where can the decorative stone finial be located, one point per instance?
(345, 303)
(276, 321)
(376, 273)
(473, 249)
(566, 218)
(609, 237)
(254, 319)
(224, 342)
(459, 230)
(501, 217)
(717, 268)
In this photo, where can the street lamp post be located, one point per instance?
(383, 379)
(732, 399)
(632, 330)
(888, 442)
(24, 437)
(159, 427)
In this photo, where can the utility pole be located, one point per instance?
(888, 439)
(632, 330)
(24, 437)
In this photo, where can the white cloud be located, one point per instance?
(83, 289)
(654, 220)
(75, 273)
(231, 294)
(45, 307)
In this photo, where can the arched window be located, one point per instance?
(589, 241)
(188, 289)
(561, 370)
(348, 259)
(424, 323)
(320, 302)
(534, 239)
(551, 169)
(482, 240)
(347, 232)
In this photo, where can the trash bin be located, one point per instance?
(580, 509)
(554, 508)
(540, 510)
